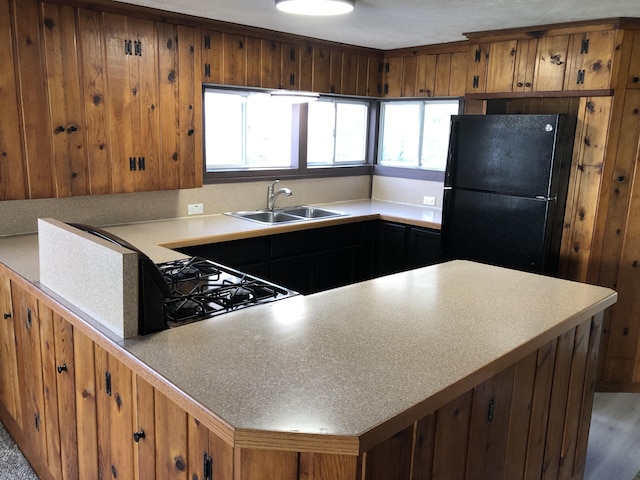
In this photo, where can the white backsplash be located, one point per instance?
(406, 190)
(21, 216)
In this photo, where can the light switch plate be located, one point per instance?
(196, 209)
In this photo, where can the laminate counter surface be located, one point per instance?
(346, 361)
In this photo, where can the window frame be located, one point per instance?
(414, 172)
(299, 168)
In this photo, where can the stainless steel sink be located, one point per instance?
(286, 215)
(311, 212)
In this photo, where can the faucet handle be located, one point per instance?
(274, 182)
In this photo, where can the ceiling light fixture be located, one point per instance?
(316, 7)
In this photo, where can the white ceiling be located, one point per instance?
(390, 24)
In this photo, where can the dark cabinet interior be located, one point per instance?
(317, 259)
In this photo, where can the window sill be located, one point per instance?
(408, 172)
(316, 172)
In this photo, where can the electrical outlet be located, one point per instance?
(431, 201)
(196, 208)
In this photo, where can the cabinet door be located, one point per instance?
(132, 72)
(425, 85)
(212, 52)
(271, 62)
(501, 66)
(423, 247)
(180, 151)
(13, 171)
(115, 420)
(335, 268)
(391, 247)
(210, 457)
(321, 69)
(56, 337)
(94, 94)
(477, 68)
(295, 273)
(171, 439)
(551, 63)
(36, 124)
(64, 92)
(349, 73)
(9, 386)
(590, 61)
(392, 77)
(525, 65)
(27, 331)
(291, 66)
(634, 67)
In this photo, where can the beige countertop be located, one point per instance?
(20, 252)
(350, 360)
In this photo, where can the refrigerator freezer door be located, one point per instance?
(510, 154)
(501, 230)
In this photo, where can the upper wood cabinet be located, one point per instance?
(633, 78)
(590, 60)
(425, 75)
(510, 66)
(96, 103)
(550, 63)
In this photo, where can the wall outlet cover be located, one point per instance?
(196, 208)
(427, 200)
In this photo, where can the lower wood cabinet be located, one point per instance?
(79, 409)
(403, 247)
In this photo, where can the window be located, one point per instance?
(337, 133)
(252, 131)
(415, 133)
(246, 130)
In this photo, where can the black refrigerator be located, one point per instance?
(505, 191)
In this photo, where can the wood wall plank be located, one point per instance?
(13, 175)
(65, 102)
(35, 119)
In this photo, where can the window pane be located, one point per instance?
(320, 133)
(351, 133)
(435, 140)
(246, 130)
(400, 134)
(337, 133)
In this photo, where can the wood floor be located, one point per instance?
(613, 453)
(614, 438)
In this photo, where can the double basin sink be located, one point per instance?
(286, 215)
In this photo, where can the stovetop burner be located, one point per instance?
(201, 289)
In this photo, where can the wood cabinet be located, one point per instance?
(425, 75)
(117, 112)
(590, 60)
(510, 66)
(551, 63)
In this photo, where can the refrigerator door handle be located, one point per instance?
(448, 188)
(546, 199)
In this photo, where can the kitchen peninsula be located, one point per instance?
(458, 370)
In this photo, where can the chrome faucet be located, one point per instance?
(271, 197)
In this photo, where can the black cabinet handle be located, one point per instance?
(190, 132)
(7, 316)
(62, 368)
(635, 79)
(72, 128)
(138, 435)
(59, 129)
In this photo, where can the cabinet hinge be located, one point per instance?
(387, 67)
(127, 47)
(207, 42)
(29, 318)
(584, 47)
(207, 69)
(292, 54)
(476, 81)
(207, 470)
(140, 163)
(478, 55)
(132, 163)
(292, 79)
(580, 78)
(107, 382)
(381, 67)
(490, 410)
(386, 88)
(36, 420)
(138, 48)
